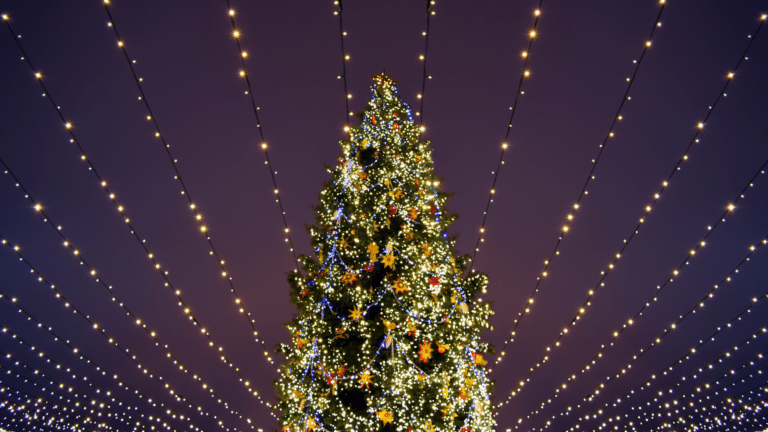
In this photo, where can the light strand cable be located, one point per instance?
(525, 73)
(115, 299)
(430, 3)
(100, 329)
(656, 197)
(699, 245)
(268, 161)
(185, 191)
(700, 304)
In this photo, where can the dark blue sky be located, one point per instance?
(579, 64)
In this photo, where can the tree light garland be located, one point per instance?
(384, 334)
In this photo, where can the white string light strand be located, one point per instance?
(760, 387)
(699, 245)
(82, 357)
(244, 74)
(95, 409)
(677, 404)
(656, 197)
(121, 209)
(198, 216)
(38, 400)
(344, 60)
(524, 74)
(112, 414)
(423, 59)
(570, 217)
(21, 412)
(115, 299)
(685, 357)
(698, 305)
(112, 341)
(70, 374)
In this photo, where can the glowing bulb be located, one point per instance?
(532, 33)
(700, 125)
(236, 33)
(537, 12)
(231, 12)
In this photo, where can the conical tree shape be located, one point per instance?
(386, 335)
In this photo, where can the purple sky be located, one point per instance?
(580, 61)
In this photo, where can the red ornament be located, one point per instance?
(434, 209)
(373, 119)
(434, 280)
(392, 210)
(369, 267)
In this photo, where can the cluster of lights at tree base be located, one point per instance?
(384, 337)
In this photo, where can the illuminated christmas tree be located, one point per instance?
(386, 335)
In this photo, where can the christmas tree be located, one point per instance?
(386, 334)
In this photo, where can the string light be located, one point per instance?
(344, 60)
(141, 241)
(116, 300)
(570, 216)
(635, 231)
(185, 191)
(82, 357)
(67, 370)
(504, 146)
(27, 399)
(700, 304)
(52, 385)
(687, 356)
(760, 388)
(89, 408)
(678, 402)
(423, 59)
(698, 245)
(267, 161)
(111, 339)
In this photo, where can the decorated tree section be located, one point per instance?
(386, 335)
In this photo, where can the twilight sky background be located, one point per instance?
(579, 64)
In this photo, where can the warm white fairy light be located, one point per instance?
(110, 339)
(625, 243)
(96, 409)
(98, 406)
(570, 216)
(267, 162)
(135, 234)
(654, 377)
(117, 301)
(615, 335)
(53, 414)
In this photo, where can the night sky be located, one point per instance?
(580, 62)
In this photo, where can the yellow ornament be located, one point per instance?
(365, 379)
(385, 416)
(389, 259)
(356, 314)
(373, 250)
